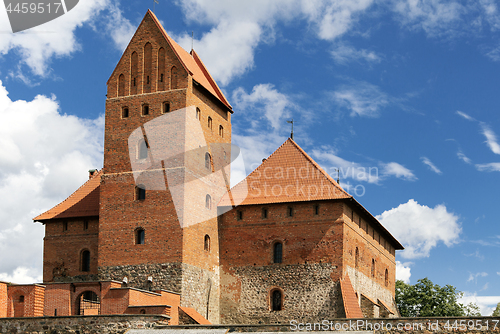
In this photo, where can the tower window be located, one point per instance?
(208, 202)
(140, 192)
(373, 268)
(289, 211)
(221, 131)
(65, 226)
(85, 261)
(278, 252)
(139, 236)
(142, 150)
(145, 109)
(208, 159)
(198, 113)
(85, 225)
(210, 122)
(276, 300)
(316, 209)
(161, 77)
(264, 213)
(207, 243)
(125, 112)
(386, 279)
(147, 80)
(166, 107)
(356, 258)
(134, 82)
(239, 215)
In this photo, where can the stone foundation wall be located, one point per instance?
(245, 293)
(166, 276)
(103, 324)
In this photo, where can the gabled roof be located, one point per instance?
(288, 175)
(351, 306)
(191, 63)
(84, 202)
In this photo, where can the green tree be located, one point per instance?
(496, 313)
(426, 299)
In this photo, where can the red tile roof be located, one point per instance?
(191, 312)
(84, 202)
(351, 306)
(288, 175)
(191, 63)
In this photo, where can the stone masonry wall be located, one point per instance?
(103, 324)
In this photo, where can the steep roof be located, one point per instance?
(84, 202)
(288, 175)
(191, 63)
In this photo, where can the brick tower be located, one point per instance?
(166, 125)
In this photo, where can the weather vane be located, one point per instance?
(291, 122)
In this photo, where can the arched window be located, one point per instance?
(208, 202)
(161, 69)
(148, 66)
(145, 109)
(221, 131)
(143, 311)
(198, 113)
(356, 258)
(208, 159)
(139, 236)
(207, 243)
(125, 112)
(85, 261)
(210, 122)
(140, 192)
(278, 252)
(121, 85)
(386, 279)
(173, 77)
(142, 149)
(276, 300)
(165, 107)
(373, 268)
(134, 70)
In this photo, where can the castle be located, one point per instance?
(156, 231)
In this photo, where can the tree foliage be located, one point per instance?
(496, 313)
(426, 299)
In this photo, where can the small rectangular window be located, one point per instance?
(264, 213)
(125, 112)
(239, 215)
(290, 211)
(65, 226)
(316, 209)
(85, 225)
(147, 80)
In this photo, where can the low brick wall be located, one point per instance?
(99, 324)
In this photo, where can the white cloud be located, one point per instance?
(433, 167)
(397, 170)
(343, 54)
(435, 17)
(489, 167)
(44, 157)
(36, 46)
(464, 115)
(22, 275)
(486, 304)
(473, 277)
(463, 157)
(420, 228)
(240, 26)
(403, 271)
(491, 138)
(362, 99)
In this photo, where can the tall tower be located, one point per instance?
(168, 130)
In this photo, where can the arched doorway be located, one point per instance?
(88, 303)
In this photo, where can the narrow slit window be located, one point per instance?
(278, 252)
(65, 226)
(208, 161)
(264, 213)
(140, 192)
(140, 236)
(125, 112)
(208, 202)
(145, 110)
(210, 122)
(147, 80)
(221, 131)
(207, 243)
(239, 215)
(316, 209)
(85, 225)
(198, 114)
(85, 266)
(290, 211)
(161, 77)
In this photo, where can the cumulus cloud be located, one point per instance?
(344, 54)
(432, 167)
(420, 228)
(56, 38)
(240, 26)
(403, 271)
(361, 99)
(397, 170)
(486, 304)
(44, 157)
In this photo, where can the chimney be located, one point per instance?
(92, 172)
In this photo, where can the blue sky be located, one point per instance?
(407, 89)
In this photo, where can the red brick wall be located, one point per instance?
(63, 248)
(58, 297)
(31, 306)
(3, 300)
